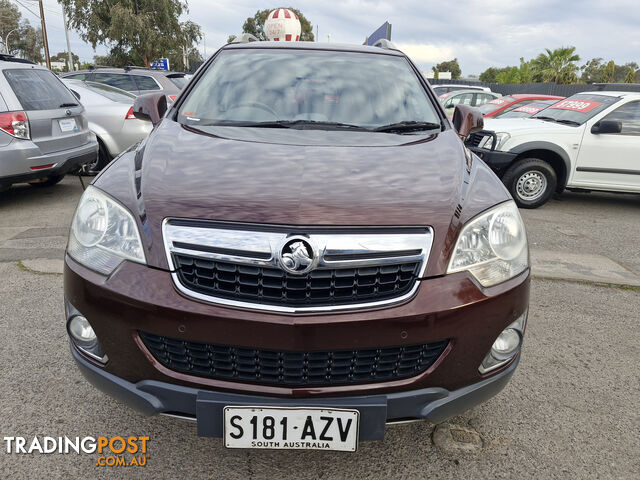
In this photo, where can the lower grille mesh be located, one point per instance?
(288, 368)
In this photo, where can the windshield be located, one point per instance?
(250, 86)
(526, 110)
(495, 104)
(576, 109)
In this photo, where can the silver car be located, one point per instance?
(471, 97)
(43, 131)
(110, 114)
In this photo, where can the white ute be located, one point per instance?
(589, 141)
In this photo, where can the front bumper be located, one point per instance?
(206, 407)
(498, 161)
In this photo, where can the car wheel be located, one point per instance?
(52, 180)
(100, 162)
(531, 182)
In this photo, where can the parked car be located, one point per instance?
(295, 257)
(472, 98)
(136, 80)
(497, 106)
(446, 88)
(589, 141)
(43, 130)
(110, 114)
(526, 111)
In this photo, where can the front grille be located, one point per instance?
(290, 369)
(273, 286)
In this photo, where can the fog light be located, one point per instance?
(505, 347)
(507, 342)
(81, 330)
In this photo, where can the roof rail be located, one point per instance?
(246, 38)
(10, 58)
(131, 67)
(386, 44)
(94, 67)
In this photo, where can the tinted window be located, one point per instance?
(38, 89)
(118, 80)
(146, 83)
(250, 85)
(489, 103)
(77, 76)
(629, 116)
(577, 109)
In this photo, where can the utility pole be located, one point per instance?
(44, 37)
(66, 33)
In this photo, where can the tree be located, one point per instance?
(26, 41)
(490, 75)
(592, 71)
(137, 30)
(255, 25)
(449, 66)
(608, 72)
(556, 66)
(525, 71)
(631, 77)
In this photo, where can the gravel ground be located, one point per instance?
(570, 411)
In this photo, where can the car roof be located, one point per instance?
(335, 47)
(468, 90)
(609, 93)
(129, 70)
(20, 64)
(536, 96)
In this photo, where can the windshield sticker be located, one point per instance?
(445, 95)
(528, 109)
(498, 101)
(582, 106)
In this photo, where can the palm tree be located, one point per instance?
(556, 66)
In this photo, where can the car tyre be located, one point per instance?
(50, 181)
(531, 182)
(101, 161)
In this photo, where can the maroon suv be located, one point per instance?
(301, 251)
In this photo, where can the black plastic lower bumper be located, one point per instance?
(498, 161)
(433, 404)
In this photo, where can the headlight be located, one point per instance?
(493, 246)
(103, 233)
(501, 138)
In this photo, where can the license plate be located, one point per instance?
(291, 428)
(68, 125)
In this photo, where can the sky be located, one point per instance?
(479, 33)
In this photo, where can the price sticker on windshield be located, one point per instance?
(582, 106)
(528, 109)
(498, 101)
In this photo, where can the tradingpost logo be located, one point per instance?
(116, 451)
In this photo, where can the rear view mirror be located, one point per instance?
(150, 107)
(467, 120)
(607, 126)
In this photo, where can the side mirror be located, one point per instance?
(467, 120)
(150, 107)
(607, 126)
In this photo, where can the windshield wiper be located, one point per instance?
(68, 105)
(569, 122)
(288, 124)
(551, 119)
(407, 126)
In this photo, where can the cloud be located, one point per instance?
(422, 53)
